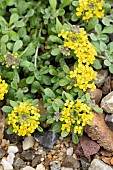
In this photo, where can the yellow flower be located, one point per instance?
(24, 119)
(3, 88)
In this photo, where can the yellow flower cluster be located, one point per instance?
(75, 116)
(90, 9)
(84, 76)
(79, 43)
(3, 88)
(24, 119)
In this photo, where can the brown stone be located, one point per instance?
(111, 161)
(106, 160)
(89, 146)
(100, 132)
(70, 162)
(106, 153)
(96, 95)
(47, 162)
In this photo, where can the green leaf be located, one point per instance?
(103, 46)
(6, 120)
(55, 107)
(98, 110)
(19, 95)
(48, 92)
(55, 52)
(64, 133)
(19, 24)
(25, 64)
(40, 129)
(5, 38)
(58, 25)
(106, 21)
(18, 44)
(91, 23)
(35, 101)
(63, 82)
(22, 32)
(35, 87)
(65, 3)
(13, 103)
(10, 130)
(13, 35)
(68, 96)
(57, 127)
(53, 4)
(3, 48)
(14, 17)
(111, 47)
(54, 38)
(46, 79)
(108, 29)
(7, 109)
(107, 62)
(75, 138)
(75, 3)
(98, 28)
(97, 65)
(111, 68)
(30, 13)
(66, 69)
(93, 37)
(14, 85)
(59, 102)
(30, 80)
(50, 120)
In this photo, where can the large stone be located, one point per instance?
(89, 146)
(36, 161)
(109, 120)
(18, 163)
(10, 158)
(107, 103)
(100, 132)
(40, 167)
(28, 142)
(27, 155)
(12, 149)
(84, 163)
(101, 76)
(28, 168)
(6, 165)
(97, 164)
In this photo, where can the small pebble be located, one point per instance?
(6, 165)
(12, 149)
(63, 168)
(70, 151)
(28, 168)
(10, 158)
(40, 167)
(28, 142)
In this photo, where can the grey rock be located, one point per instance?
(28, 142)
(107, 103)
(109, 120)
(70, 151)
(84, 163)
(46, 138)
(70, 162)
(63, 168)
(27, 155)
(36, 161)
(2, 153)
(95, 95)
(40, 167)
(55, 165)
(18, 163)
(28, 168)
(97, 164)
(101, 76)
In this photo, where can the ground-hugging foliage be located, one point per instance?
(50, 51)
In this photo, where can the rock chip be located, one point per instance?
(27, 155)
(100, 132)
(97, 164)
(2, 153)
(101, 76)
(63, 168)
(107, 103)
(18, 163)
(89, 146)
(36, 161)
(70, 151)
(109, 120)
(28, 168)
(28, 142)
(40, 167)
(85, 163)
(55, 165)
(96, 95)
(12, 149)
(10, 158)
(70, 162)
(6, 165)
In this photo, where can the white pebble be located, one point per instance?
(10, 158)
(6, 165)
(28, 142)
(12, 149)
(42, 159)
(40, 167)
(70, 151)
(63, 168)
(28, 168)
